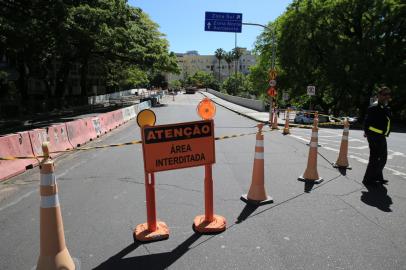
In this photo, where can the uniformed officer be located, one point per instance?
(377, 127)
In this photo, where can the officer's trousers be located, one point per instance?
(378, 154)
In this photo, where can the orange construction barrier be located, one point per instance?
(15, 145)
(53, 251)
(311, 175)
(209, 223)
(342, 160)
(286, 128)
(58, 139)
(153, 230)
(257, 194)
(77, 132)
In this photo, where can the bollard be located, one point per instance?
(257, 194)
(53, 251)
(286, 128)
(342, 160)
(311, 174)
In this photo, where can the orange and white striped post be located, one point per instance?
(286, 128)
(342, 160)
(53, 251)
(311, 174)
(257, 194)
(275, 119)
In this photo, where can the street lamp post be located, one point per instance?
(271, 99)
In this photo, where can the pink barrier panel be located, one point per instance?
(98, 126)
(77, 132)
(107, 121)
(14, 145)
(58, 139)
(91, 131)
(37, 137)
(118, 117)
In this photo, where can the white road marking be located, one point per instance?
(17, 200)
(361, 160)
(358, 147)
(391, 155)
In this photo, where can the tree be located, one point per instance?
(237, 85)
(45, 39)
(219, 53)
(346, 48)
(237, 53)
(229, 57)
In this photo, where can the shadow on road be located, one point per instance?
(377, 197)
(152, 261)
(343, 171)
(308, 186)
(246, 212)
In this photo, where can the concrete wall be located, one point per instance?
(103, 98)
(254, 104)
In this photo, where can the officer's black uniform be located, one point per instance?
(377, 127)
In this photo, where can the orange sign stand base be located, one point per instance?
(142, 234)
(201, 225)
(209, 222)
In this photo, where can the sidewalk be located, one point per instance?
(39, 120)
(262, 117)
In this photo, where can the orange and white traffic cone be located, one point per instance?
(311, 175)
(257, 194)
(286, 128)
(53, 251)
(271, 118)
(275, 120)
(342, 160)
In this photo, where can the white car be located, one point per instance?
(308, 118)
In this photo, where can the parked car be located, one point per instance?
(351, 119)
(191, 90)
(303, 118)
(308, 118)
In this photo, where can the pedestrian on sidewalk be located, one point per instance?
(377, 127)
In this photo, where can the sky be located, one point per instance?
(182, 21)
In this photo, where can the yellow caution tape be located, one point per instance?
(140, 142)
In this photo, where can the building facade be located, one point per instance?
(191, 62)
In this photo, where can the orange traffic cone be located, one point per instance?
(257, 194)
(311, 175)
(53, 251)
(286, 128)
(342, 160)
(270, 118)
(275, 120)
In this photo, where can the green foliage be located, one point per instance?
(202, 79)
(238, 85)
(45, 39)
(344, 47)
(219, 54)
(175, 85)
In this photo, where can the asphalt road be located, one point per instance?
(338, 224)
